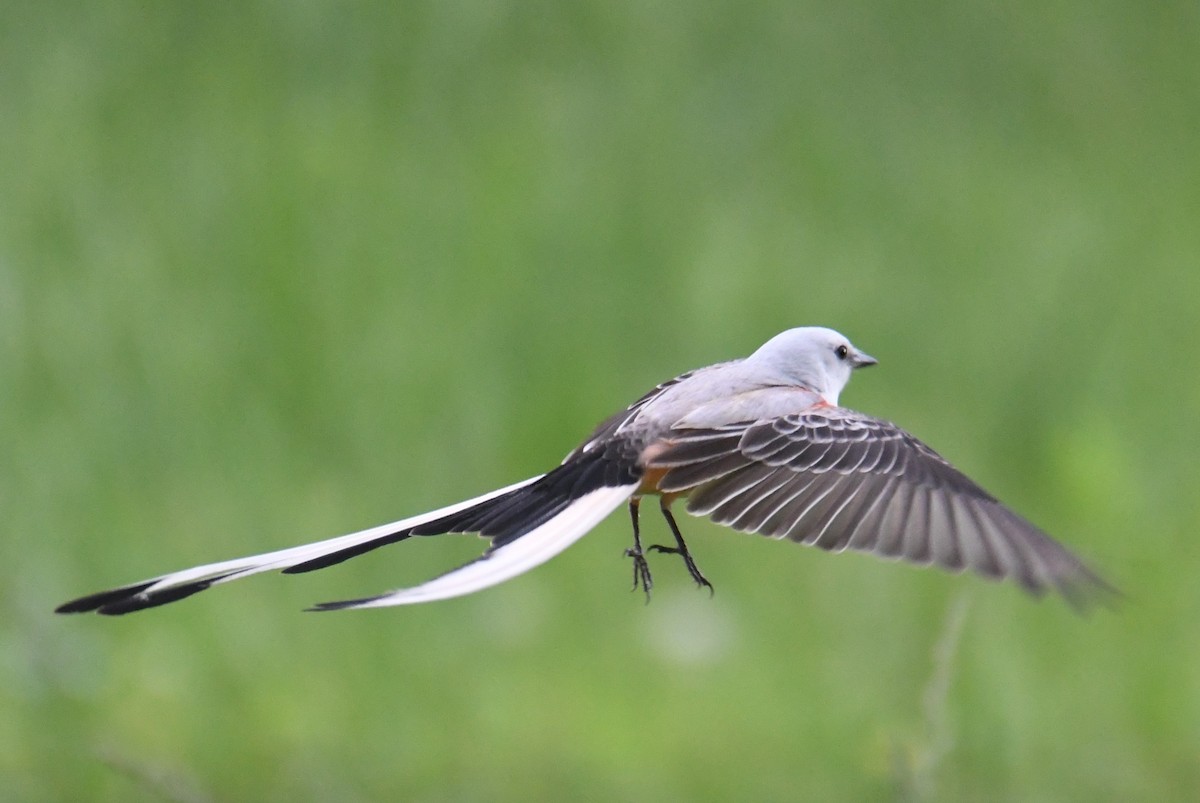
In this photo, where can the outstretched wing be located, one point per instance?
(837, 479)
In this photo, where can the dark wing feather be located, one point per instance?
(837, 479)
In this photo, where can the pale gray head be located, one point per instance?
(813, 357)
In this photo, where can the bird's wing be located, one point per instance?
(837, 479)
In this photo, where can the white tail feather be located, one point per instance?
(516, 557)
(293, 556)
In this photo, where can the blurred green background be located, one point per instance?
(275, 271)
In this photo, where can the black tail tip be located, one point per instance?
(336, 606)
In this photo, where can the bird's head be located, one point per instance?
(814, 357)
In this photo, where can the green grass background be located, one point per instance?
(274, 271)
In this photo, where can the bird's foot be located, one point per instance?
(641, 571)
(692, 568)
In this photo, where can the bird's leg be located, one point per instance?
(680, 548)
(641, 569)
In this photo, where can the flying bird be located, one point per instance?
(758, 444)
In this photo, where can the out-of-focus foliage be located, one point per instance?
(274, 271)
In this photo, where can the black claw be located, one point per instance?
(641, 572)
(681, 549)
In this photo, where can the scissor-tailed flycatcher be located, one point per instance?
(758, 444)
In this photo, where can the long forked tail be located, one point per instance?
(554, 510)
(177, 585)
(508, 559)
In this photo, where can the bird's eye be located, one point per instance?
(841, 351)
